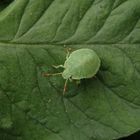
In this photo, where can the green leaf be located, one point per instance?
(34, 35)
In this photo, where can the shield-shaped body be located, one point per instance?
(82, 63)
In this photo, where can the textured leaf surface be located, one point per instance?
(33, 37)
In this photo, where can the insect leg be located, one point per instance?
(70, 79)
(51, 74)
(65, 86)
(58, 66)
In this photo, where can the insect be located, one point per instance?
(80, 64)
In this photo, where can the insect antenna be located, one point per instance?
(68, 50)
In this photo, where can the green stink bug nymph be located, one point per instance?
(80, 64)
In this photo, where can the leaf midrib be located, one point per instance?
(61, 44)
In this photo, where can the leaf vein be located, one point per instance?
(41, 15)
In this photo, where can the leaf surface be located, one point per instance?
(34, 36)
